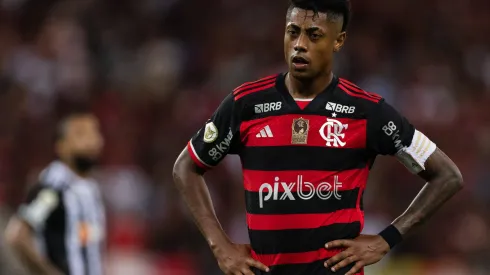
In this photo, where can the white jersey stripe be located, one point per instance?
(73, 251)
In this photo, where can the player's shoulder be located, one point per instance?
(255, 88)
(354, 92)
(351, 94)
(40, 189)
(56, 176)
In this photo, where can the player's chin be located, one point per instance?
(301, 74)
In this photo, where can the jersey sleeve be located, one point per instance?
(39, 205)
(390, 133)
(218, 137)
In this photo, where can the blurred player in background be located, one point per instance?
(307, 140)
(60, 228)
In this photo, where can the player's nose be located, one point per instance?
(301, 44)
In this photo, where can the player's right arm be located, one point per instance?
(205, 150)
(32, 217)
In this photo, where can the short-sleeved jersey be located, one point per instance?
(67, 216)
(304, 170)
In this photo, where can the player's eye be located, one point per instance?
(315, 36)
(292, 32)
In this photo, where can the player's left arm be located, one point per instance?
(389, 133)
(443, 181)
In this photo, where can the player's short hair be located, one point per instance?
(335, 9)
(62, 125)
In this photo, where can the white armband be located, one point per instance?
(37, 212)
(415, 155)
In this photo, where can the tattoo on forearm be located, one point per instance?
(444, 181)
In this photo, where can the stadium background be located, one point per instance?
(154, 70)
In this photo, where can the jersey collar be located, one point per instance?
(315, 103)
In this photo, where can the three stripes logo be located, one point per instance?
(265, 133)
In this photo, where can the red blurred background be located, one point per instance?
(153, 71)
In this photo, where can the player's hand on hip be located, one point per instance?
(235, 259)
(363, 250)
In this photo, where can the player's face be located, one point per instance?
(82, 139)
(309, 43)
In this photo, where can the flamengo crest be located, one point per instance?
(332, 132)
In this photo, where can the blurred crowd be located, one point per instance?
(153, 71)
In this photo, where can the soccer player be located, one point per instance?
(307, 140)
(60, 228)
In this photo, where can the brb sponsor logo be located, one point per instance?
(304, 190)
(268, 107)
(339, 108)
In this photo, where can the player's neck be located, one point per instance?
(307, 89)
(74, 169)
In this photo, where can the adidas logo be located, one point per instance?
(265, 132)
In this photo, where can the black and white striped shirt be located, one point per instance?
(67, 215)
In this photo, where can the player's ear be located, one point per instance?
(339, 42)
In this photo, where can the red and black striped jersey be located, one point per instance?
(304, 169)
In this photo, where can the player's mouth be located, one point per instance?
(300, 62)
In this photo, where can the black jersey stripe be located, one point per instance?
(257, 203)
(281, 158)
(301, 240)
(54, 235)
